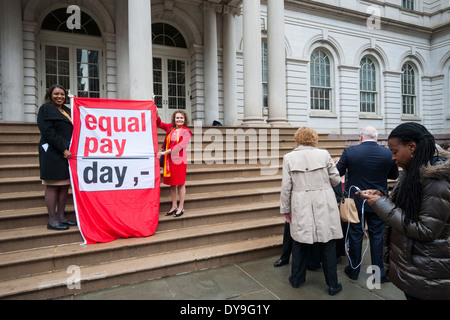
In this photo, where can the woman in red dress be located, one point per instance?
(175, 158)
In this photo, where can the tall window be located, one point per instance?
(408, 4)
(57, 66)
(320, 81)
(88, 75)
(265, 75)
(177, 84)
(67, 60)
(368, 86)
(170, 75)
(408, 89)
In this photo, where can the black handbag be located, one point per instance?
(161, 162)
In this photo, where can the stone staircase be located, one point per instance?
(232, 215)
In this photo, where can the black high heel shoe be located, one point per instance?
(179, 215)
(59, 227)
(172, 212)
(69, 223)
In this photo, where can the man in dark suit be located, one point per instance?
(368, 166)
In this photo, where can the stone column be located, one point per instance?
(253, 91)
(211, 67)
(11, 39)
(229, 68)
(122, 50)
(276, 63)
(140, 49)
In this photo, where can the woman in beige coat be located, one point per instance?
(309, 204)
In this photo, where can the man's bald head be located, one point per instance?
(369, 133)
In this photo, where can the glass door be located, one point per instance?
(76, 69)
(88, 75)
(170, 86)
(57, 66)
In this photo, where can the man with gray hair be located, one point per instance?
(369, 133)
(367, 166)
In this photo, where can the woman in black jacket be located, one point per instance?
(417, 241)
(56, 128)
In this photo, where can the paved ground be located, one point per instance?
(254, 281)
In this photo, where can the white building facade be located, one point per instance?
(336, 66)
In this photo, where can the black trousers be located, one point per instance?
(287, 243)
(327, 257)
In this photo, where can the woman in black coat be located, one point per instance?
(417, 241)
(56, 128)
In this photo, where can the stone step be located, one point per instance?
(10, 185)
(21, 136)
(17, 166)
(14, 146)
(19, 158)
(207, 166)
(19, 171)
(220, 198)
(23, 263)
(25, 142)
(211, 185)
(208, 163)
(38, 217)
(232, 215)
(116, 273)
(22, 200)
(27, 218)
(18, 127)
(236, 152)
(16, 136)
(34, 184)
(197, 189)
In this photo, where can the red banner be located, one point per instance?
(115, 175)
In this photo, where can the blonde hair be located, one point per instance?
(307, 137)
(186, 118)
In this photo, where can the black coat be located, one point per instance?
(417, 257)
(56, 130)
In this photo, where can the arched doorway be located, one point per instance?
(171, 71)
(72, 57)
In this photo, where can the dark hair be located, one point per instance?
(48, 95)
(408, 197)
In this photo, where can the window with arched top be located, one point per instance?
(368, 86)
(57, 21)
(72, 51)
(171, 86)
(321, 83)
(409, 97)
(166, 35)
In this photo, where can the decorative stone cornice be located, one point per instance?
(221, 8)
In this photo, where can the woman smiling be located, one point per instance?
(175, 158)
(56, 128)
